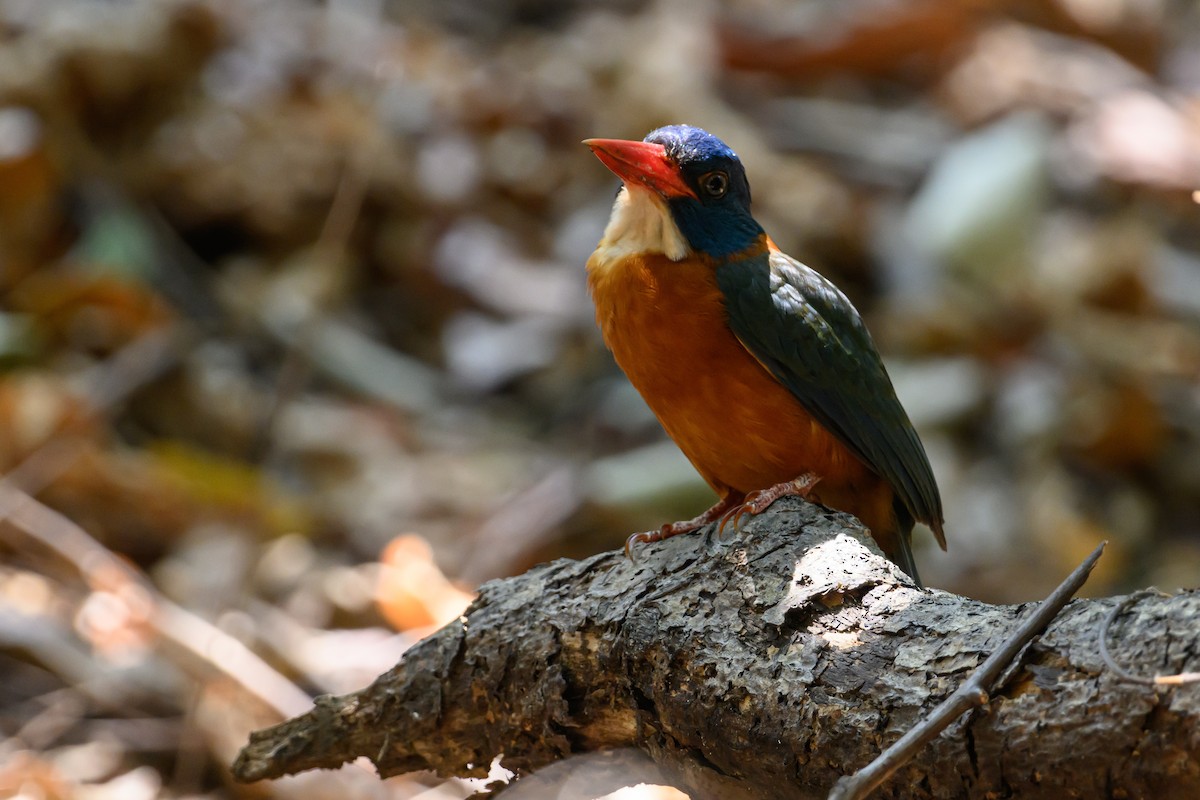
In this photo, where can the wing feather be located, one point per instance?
(806, 332)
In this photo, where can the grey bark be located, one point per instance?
(766, 665)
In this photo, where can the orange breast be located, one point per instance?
(665, 324)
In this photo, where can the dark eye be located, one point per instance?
(714, 184)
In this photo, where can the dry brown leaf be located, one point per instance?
(412, 591)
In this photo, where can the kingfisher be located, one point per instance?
(757, 366)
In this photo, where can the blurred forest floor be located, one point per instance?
(297, 350)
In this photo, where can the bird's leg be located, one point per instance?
(759, 501)
(729, 501)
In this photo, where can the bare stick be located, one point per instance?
(101, 569)
(971, 694)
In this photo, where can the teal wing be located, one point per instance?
(806, 332)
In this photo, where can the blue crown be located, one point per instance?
(687, 144)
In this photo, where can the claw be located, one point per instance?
(759, 501)
(727, 511)
(732, 515)
(645, 537)
(735, 515)
(747, 511)
(676, 528)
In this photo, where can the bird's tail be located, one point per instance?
(901, 550)
(903, 556)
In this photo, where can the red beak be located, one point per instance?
(644, 163)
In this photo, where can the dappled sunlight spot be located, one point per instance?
(824, 574)
(27, 593)
(117, 622)
(842, 641)
(646, 791)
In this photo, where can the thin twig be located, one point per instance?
(103, 570)
(1178, 679)
(971, 694)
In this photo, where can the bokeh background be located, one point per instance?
(296, 349)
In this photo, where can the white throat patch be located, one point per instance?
(641, 223)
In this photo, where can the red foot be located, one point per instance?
(759, 501)
(675, 528)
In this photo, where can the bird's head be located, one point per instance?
(699, 179)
